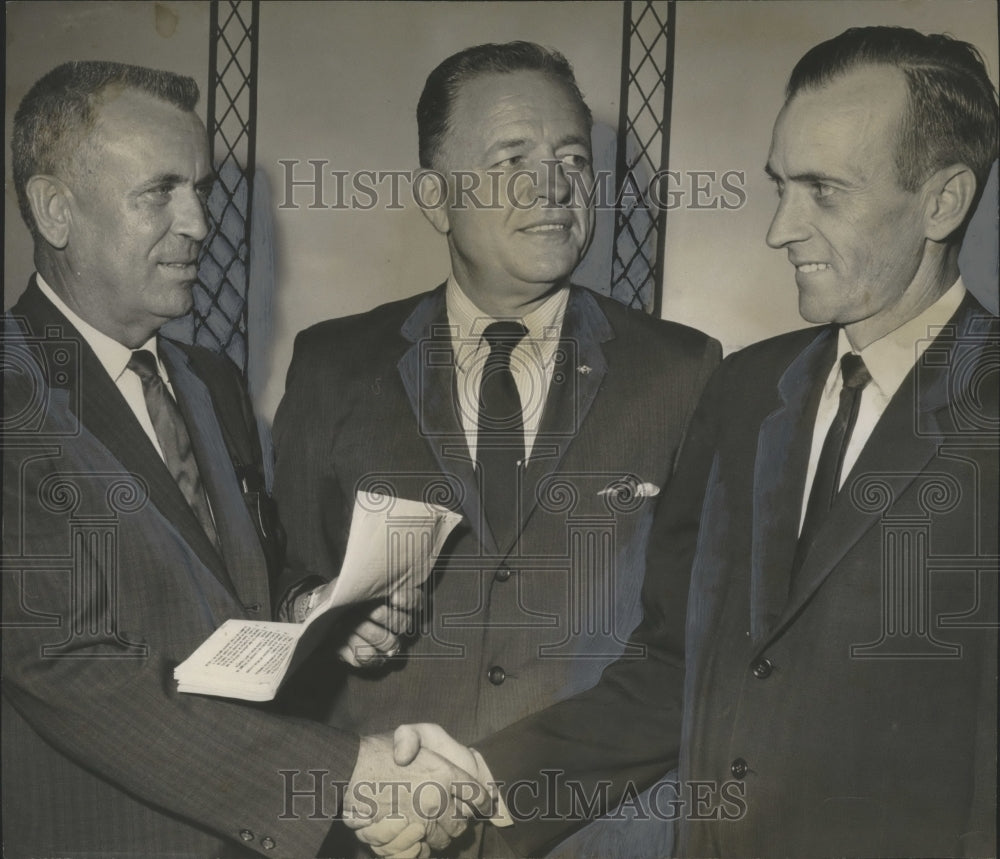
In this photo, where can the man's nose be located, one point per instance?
(190, 215)
(553, 184)
(788, 224)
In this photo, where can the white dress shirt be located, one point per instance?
(114, 357)
(531, 361)
(889, 360)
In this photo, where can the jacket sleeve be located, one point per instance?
(312, 508)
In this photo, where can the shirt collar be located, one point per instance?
(890, 358)
(544, 322)
(114, 356)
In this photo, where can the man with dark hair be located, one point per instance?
(434, 109)
(134, 520)
(548, 415)
(835, 511)
(950, 109)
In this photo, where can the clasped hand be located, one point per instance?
(379, 636)
(414, 791)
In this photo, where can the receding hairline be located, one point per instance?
(579, 106)
(118, 96)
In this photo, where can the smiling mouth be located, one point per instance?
(546, 228)
(811, 267)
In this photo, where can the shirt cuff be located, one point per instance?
(501, 816)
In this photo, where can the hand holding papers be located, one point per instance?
(392, 548)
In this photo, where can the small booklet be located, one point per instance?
(392, 547)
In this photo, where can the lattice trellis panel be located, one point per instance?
(220, 312)
(643, 148)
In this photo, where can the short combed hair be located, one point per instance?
(443, 84)
(951, 113)
(60, 110)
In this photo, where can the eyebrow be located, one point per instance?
(518, 142)
(574, 139)
(511, 143)
(812, 176)
(178, 179)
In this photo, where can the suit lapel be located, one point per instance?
(783, 445)
(578, 374)
(99, 405)
(427, 371)
(905, 439)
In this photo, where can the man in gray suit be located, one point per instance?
(548, 415)
(134, 515)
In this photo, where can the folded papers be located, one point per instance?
(392, 548)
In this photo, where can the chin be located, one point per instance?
(552, 271)
(815, 313)
(181, 301)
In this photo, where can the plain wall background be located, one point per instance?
(340, 81)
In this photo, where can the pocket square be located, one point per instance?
(630, 487)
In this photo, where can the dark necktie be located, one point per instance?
(826, 483)
(500, 439)
(173, 437)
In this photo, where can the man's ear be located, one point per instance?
(951, 191)
(431, 193)
(49, 201)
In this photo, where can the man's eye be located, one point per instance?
(512, 161)
(203, 192)
(160, 193)
(822, 190)
(576, 161)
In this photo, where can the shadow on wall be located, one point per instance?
(980, 256)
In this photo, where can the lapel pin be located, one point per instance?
(583, 370)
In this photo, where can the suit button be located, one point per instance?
(503, 574)
(739, 768)
(267, 843)
(762, 668)
(497, 675)
(246, 835)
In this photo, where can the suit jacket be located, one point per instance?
(851, 711)
(108, 583)
(506, 630)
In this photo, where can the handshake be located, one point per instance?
(413, 792)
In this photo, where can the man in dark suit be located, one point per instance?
(134, 519)
(836, 512)
(548, 415)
